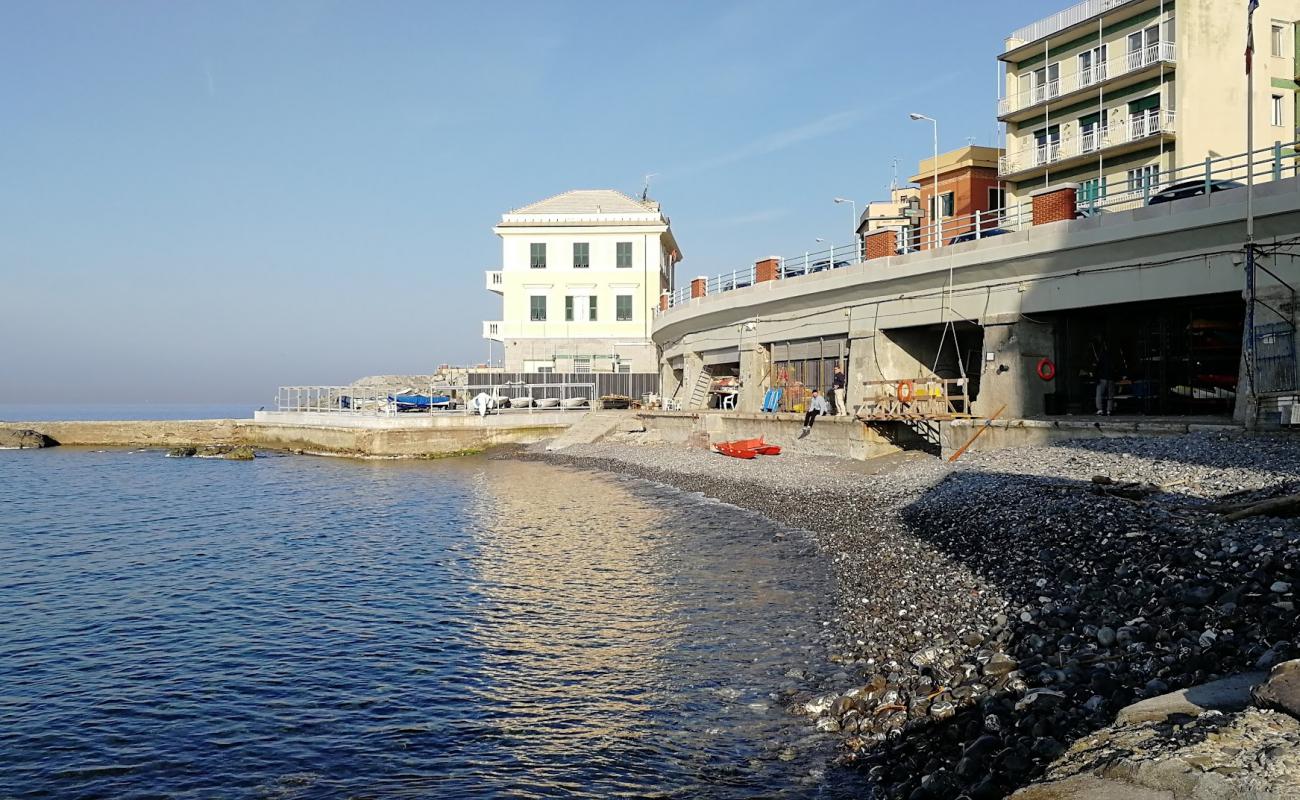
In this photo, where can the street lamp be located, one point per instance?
(938, 210)
(857, 250)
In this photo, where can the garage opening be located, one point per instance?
(930, 351)
(1170, 357)
(800, 366)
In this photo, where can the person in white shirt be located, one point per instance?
(816, 407)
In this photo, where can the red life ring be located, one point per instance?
(906, 389)
(1046, 369)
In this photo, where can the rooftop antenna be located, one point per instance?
(645, 187)
(970, 141)
(893, 181)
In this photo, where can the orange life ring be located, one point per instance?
(1046, 369)
(906, 390)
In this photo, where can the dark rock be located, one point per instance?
(1281, 692)
(24, 439)
(228, 452)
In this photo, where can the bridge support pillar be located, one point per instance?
(1010, 377)
(754, 379)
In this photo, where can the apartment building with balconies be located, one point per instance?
(581, 274)
(1115, 94)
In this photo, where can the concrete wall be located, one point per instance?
(1011, 379)
(830, 436)
(1003, 434)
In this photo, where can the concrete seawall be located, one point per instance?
(348, 436)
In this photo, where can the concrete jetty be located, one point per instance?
(399, 436)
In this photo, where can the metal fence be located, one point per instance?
(437, 399)
(634, 385)
(1142, 187)
(1275, 365)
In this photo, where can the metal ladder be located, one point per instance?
(700, 391)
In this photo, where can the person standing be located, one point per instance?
(838, 382)
(816, 407)
(1104, 372)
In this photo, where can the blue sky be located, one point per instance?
(200, 201)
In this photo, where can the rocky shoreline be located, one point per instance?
(994, 613)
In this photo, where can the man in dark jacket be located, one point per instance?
(837, 387)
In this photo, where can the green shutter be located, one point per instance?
(1145, 104)
(568, 308)
(1090, 119)
(591, 315)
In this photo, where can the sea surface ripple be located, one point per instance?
(298, 627)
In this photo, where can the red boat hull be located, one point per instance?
(747, 448)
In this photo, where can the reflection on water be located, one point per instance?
(296, 627)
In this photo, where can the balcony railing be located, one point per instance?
(495, 281)
(1160, 52)
(1092, 140)
(1047, 153)
(1149, 123)
(1062, 20)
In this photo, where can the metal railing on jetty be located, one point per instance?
(505, 397)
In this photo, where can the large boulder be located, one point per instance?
(23, 438)
(1228, 694)
(1281, 692)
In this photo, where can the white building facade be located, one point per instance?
(1114, 94)
(581, 275)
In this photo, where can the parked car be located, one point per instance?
(825, 263)
(973, 235)
(1190, 188)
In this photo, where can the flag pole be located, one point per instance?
(1252, 401)
(1250, 120)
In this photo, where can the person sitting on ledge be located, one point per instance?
(817, 406)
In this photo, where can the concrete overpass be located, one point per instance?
(881, 312)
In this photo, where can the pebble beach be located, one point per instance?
(991, 614)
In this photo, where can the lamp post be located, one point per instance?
(857, 242)
(937, 222)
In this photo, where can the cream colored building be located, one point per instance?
(901, 212)
(581, 274)
(1113, 94)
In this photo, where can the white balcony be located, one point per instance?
(1150, 123)
(1078, 142)
(494, 330)
(495, 281)
(1135, 61)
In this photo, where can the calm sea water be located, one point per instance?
(296, 628)
(10, 412)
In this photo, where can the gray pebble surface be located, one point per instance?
(992, 611)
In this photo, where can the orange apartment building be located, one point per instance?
(968, 183)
